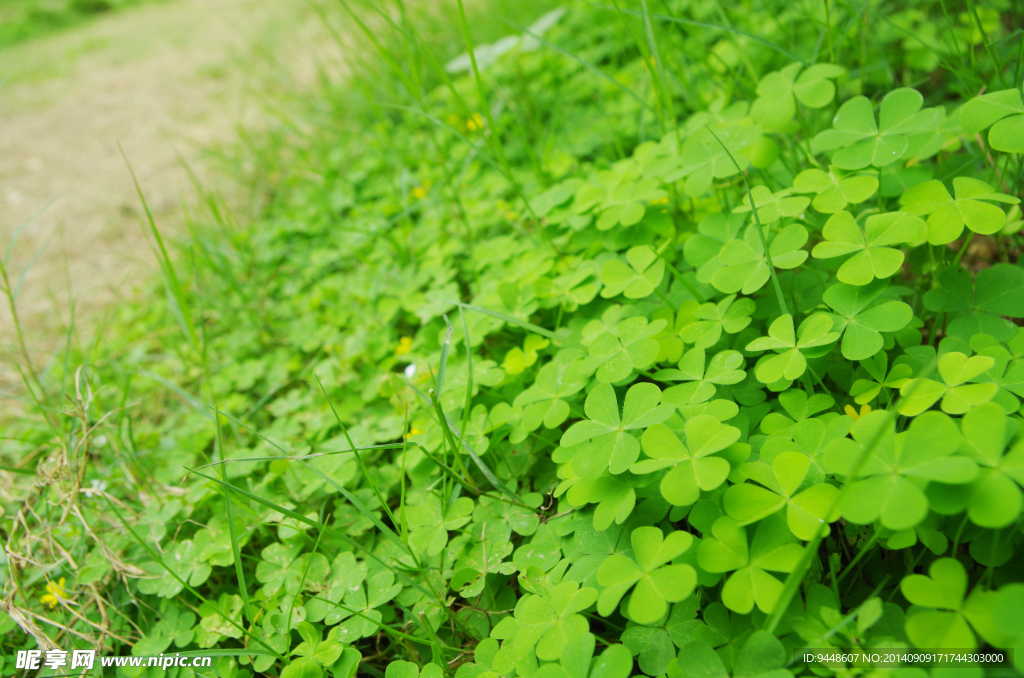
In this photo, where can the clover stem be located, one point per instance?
(967, 241)
(683, 281)
(860, 555)
(760, 230)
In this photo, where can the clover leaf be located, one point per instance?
(345, 574)
(611, 445)
(704, 158)
(873, 254)
(866, 390)
(942, 624)
(772, 549)
(637, 280)
(628, 346)
(889, 484)
(702, 324)
(184, 561)
(378, 589)
(322, 652)
(703, 247)
(281, 567)
(948, 215)
(798, 406)
(1004, 111)
(543, 624)
(625, 203)
(832, 190)
(175, 626)
(657, 583)
(773, 206)
(577, 661)
(779, 91)
(615, 496)
(545, 401)
(978, 307)
(783, 484)
(995, 499)
(431, 522)
(721, 370)
(958, 396)
(860, 325)
(745, 266)
(791, 363)
(862, 142)
(401, 669)
(692, 467)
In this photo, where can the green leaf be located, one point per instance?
(833, 190)
(791, 363)
(958, 396)
(745, 266)
(889, 485)
(692, 466)
(782, 484)
(948, 215)
(1004, 109)
(779, 91)
(873, 254)
(722, 370)
(702, 324)
(862, 142)
(637, 280)
(860, 323)
(612, 447)
(773, 549)
(656, 583)
(627, 347)
(943, 590)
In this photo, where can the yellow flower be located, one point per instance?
(419, 192)
(404, 346)
(55, 593)
(413, 432)
(475, 122)
(864, 409)
(660, 201)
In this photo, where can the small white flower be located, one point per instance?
(410, 370)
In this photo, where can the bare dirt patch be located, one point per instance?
(166, 81)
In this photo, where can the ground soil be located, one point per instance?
(168, 81)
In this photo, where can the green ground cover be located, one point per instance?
(659, 338)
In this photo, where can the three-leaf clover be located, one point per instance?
(625, 203)
(379, 588)
(941, 624)
(790, 363)
(629, 346)
(958, 396)
(702, 324)
(543, 623)
(545, 401)
(864, 391)
(995, 499)
(314, 653)
(745, 266)
(611, 445)
(431, 522)
(1004, 111)
(773, 549)
(779, 91)
(722, 370)
(183, 560)
(773, 206)
(657, 583)
(833, 190)
(873, 254)
(947, 215)
(888, 484)
(637, 280)
(692, 467)
(978, 307)
(281, 567)
(862, 142)
(577, 661)
(175, 626)
(860, 325)
(784, 485)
